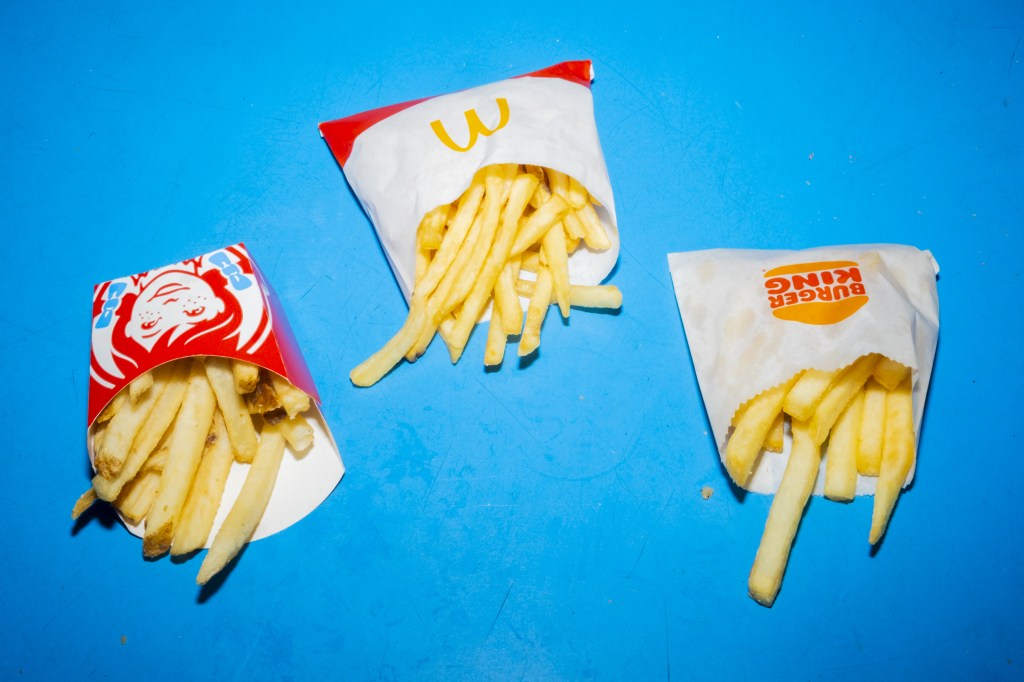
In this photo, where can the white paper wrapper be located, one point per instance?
(742, 346)
(400, 168)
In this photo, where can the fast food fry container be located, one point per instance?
(216, 304)
(406, 159)
(756, 318)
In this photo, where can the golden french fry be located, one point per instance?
(248, 508)
(898, 448)
(169, 386)
(890, 373)
(535, 313)
(840, 392)
(744, 445)
(494, 351)
(83, 503)
(573, 229)
(593, 231)
(559, 182)
(200, 508)
(241, 433)
(113, 407)
(506, 300)
(807, 393)
(185, 446)
(139, 386)
(774, 441)
(872, 429)
(530, 261)
(577, 196)
(246, 375)
(121, 431)
(458, 228)
(539, 222)
(604, 296)
(554, 250)
(841, 463)
(784, 515)
(431, 230)
(380, 363)
(297, 433)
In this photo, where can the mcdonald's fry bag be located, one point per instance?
(405, 159)
(754, 319)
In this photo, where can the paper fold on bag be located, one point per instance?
(754, 319)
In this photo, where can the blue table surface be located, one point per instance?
(543, 521)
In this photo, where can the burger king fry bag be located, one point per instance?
(405, 159)
(755, 319)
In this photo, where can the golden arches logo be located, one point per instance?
(475, 125)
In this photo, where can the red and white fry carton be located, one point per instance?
(217, 304)
(756, 318)
(406, 159)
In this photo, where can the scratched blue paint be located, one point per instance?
(540, 522)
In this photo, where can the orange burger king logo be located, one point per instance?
(815, 293)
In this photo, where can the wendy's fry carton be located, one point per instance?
(754, 319)
(217, 304)
(406, 159)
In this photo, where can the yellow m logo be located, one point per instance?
(475, 125)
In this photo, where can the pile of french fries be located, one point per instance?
(164, 445)
(865, 413)
(513, 219)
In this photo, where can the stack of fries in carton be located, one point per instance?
(492, 226)
(163, 445)
(838, 344)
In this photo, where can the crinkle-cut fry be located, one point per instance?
(841, 463)
(744, 445)
(246, 375)
(497, 337)
(246, 512)
(553, 248)
(458, 228)
(602, 296)
(240, 430)
(472, 271)
(506, 300)
(535, 313)
(431, 228)
(83, 503)
(294, 400)
(898, 448)
(171, 389)
(593, 230)
(774, 441)
(577, 195)
(890, 373)
(539, 222)
(200, 508)
(807, 393)
(784, 516)
(113, 407)
(872, 429)
(139, 386)
(380, 363)
(185, 444)
(482, 288)
(297, 433)
(839, 394)
(122, 430)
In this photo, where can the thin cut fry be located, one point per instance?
(535, 313)
(784, 516)
(380, 363)
(897, 457)
(841, 463)
(431, 229)
(453, 238)
(506, 301)
(200, 509)
(744, 446)
(553, 248)
(603, 296)
(248, 508)
(539, 222)
(240, 430)
(494, 351)
(593, 231)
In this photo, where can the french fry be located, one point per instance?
(603, 296)
(841, 463)
(744, 445)
(842, 389)
(248, 508)
(494, 351)
(897, 457)
(240, 431)
(539, 222)
(506, 300)
(454, 237)
(593, 231)
(83, 503)
(263, 398)
(246, 375)
(294, 400)
(784, 515)
(535, 313)
(807, 393)
(121, 431)
(554, 250)
(872, 429)
(113, 407)
(890, 373)
(577, 195)
(169, 386)
(185, 445)
(139, 386)
(431, 229)
(297, 433)
(200, 508)
(136, 498)
(774, 441)
(380, 363)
